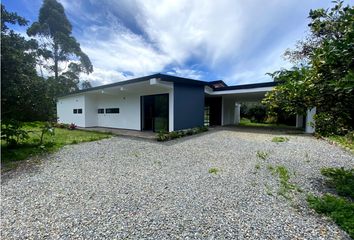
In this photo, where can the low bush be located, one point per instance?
(72, 126)
(165, 136)
(328, 124)
(61, 125)
(339, 209)
(12, 133)
(340, 179)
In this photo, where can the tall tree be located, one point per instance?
(326, 77)
(57, 45)
(24, 94)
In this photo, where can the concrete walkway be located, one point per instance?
(124, 132)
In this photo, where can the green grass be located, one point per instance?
(339, 208)
(11, 157)
(280, 139)
(342, 180)
(257, 166)
(343, 141)
(247, 123)
(214, 170)
(262, 155)
(284, 177)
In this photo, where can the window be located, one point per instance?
(100, 111)
(77, 111)
(112, 110)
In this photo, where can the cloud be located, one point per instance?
(238, 41)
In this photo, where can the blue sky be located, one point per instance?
(233, 40)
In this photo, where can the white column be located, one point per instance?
(310, 122)
(171, 110)
(299, 121)
(237, 116)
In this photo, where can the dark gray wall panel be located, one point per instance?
(188, 106)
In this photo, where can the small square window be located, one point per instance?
(100, 111)
(79, 111)
(75, 111)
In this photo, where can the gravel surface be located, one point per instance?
(128, 188)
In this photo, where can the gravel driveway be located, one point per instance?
(128, 188)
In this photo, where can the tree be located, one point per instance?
(57, 45)
(86, 84)
(325, 77)
(24, 94)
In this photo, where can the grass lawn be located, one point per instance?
(11, 157)
(343, 141)
(247, 123)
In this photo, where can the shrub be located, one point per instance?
(61, 125)
(165, 136)
(339, 209)
(257, 113)
(328, 124)
(46, 129)
(12, 133)
(340, 179)
(72, 126)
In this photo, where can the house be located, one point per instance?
(159, 102)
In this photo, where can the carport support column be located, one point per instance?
(310, 122)
(237, 117)
(299, 121)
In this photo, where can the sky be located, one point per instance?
(235, 41)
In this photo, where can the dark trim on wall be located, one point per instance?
(248, 86)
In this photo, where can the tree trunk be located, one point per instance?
(56, 60)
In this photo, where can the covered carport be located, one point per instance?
(231, 98)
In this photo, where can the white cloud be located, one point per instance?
(238, 41)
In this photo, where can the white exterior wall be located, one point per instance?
(65, 108)
(90, 111)
(129, 111)
(129, 116)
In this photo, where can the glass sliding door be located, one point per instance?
(154, 112)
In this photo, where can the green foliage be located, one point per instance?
(24, 95)
(257, 113)
(328, 124)
(339, 209)
(325, 77)
(257, 166)
(345, 141)
(280, 139)
(12, 133)
(340, 179)
(284, 177)
(262, 155)
(165, 136)
(214, 170)
(58, 45)
(11, 156)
